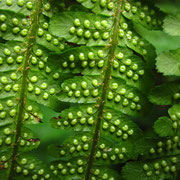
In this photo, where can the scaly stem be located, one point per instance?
(107, 77)
(22, 100)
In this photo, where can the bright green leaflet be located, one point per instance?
(172, 25)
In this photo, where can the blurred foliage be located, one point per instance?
(159, 39)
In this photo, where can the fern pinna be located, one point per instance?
(25, 82)
(111, 73)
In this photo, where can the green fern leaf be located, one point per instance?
(66, 22)
(25, 82)
(106, 88)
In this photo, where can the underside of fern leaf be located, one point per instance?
(110, 65)
(25, 82)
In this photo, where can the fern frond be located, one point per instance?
(110, 66)
(25, 82)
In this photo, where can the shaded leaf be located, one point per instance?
(172, 25)
(168, 63)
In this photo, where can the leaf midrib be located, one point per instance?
(22, 100)
(107, 77)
